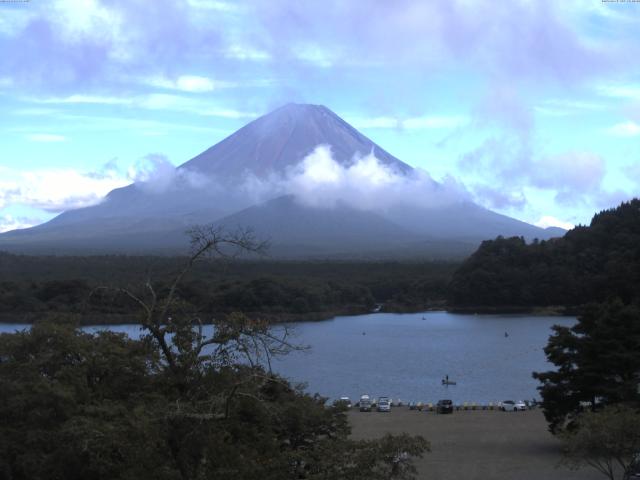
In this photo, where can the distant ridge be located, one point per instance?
(142, 219)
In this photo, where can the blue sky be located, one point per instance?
(532, 106)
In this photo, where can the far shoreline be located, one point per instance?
(96, 320)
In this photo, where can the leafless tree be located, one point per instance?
(235, 338)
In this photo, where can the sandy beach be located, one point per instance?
(476, 445)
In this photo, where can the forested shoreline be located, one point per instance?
(506, 275)
(589, 264)
(37, 287)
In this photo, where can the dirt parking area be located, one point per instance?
(476, 445)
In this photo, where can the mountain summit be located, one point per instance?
(282, 138)
(300, 176)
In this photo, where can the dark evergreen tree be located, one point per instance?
(597, 360)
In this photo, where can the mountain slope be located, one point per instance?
(281, 139)
(294, 229)
(213, 187)
(464, 221)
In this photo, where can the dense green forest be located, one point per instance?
(33, 286)
(590, 263)
(175, 404)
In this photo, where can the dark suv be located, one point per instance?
(444, 406)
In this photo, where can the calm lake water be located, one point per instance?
(407, 355)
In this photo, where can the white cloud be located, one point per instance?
(56, 190)
(193, 83)
(89, 99)
(234, 114)
(35, 112)
(154, 101)
(45, 137)
(155, 174)
(561, 108)
(92, 21)
(216, 5)
(411, 123)
(630, 92)
(245, 52)
(189, 83)
(434, 122)
(551, 111)
(374, 122)
(575, 104)
(93, 123)
(86, 17)
(315, 55)
(366, 184)
(626, 129)
(9, 222)
(549, 221)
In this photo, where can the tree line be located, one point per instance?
(175, 404)
(34, 286)
(589, 264)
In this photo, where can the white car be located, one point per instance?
(511, 406)
(384, 404)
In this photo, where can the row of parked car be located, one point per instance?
(384, 404)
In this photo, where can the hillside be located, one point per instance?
(590, 263)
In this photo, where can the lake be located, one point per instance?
(407, 355)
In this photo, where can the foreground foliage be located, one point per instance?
(608, 441)
(175, 404)
(597, 360)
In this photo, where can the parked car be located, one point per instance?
(521, 406)
(511, 406)
(346, 401)
(444, 406)
(384, 404)
(365, 403)
(413, 405)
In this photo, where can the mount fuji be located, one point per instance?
(299, 176)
